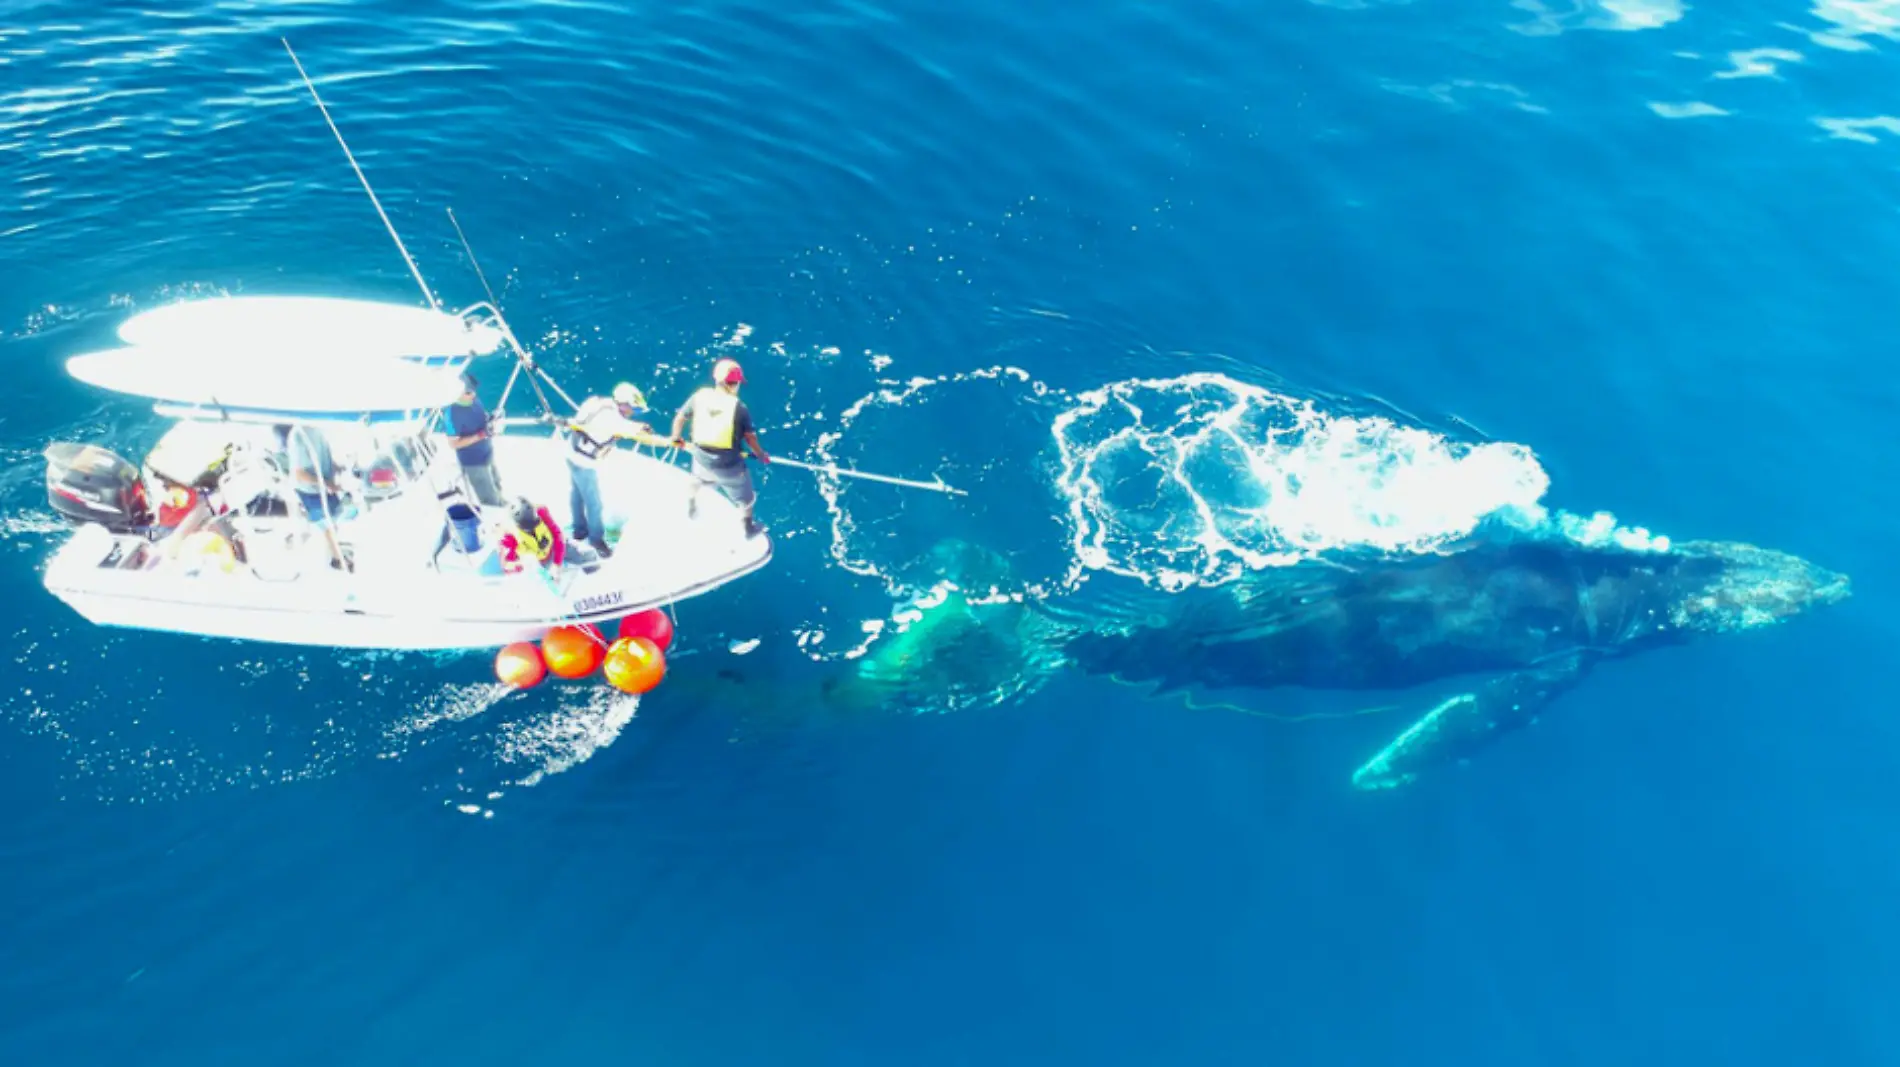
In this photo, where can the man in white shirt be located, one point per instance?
(591, 434)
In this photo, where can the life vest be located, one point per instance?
(713, 413)
(535, 543)
(577, 435)
(176, 504)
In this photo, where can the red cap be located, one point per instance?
(727, 372)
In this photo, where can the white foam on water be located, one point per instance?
(285, 727)
(1462, 92)
(450, 704)
(534, 735)
(1621, 15)
(1758, 63)
(35, 525)
(1852, 20)
(1198, 479)
(567, 736)
(1693, 109)
(1637, 14)
(1856, 129)
(891, 394)
(854, 547)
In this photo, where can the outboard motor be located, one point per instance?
(86, 483)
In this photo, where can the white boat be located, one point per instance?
(236, 557)
(245, 563)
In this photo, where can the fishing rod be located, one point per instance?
(937, 486)
(483, 278)
(410, 260)
(526, 360)
(361, 177)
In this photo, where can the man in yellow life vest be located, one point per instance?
(535, 537)
(720, 423)
(591, 434)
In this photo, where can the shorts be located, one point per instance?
(735, 479)
(314, 503)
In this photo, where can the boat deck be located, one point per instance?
(411, 584)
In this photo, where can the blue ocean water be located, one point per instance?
(1649, 242)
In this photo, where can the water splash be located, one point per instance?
(894, 396)
(1196, 479)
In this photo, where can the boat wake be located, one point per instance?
(512, 749)
(472, 741)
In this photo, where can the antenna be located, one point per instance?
(406, 257)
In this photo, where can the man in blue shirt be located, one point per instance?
(469, 433)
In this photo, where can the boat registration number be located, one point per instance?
(598, 601)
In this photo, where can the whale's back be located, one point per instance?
(1388, 624)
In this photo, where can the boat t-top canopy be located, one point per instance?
(278, 329)
(216, 386)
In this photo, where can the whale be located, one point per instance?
(964, 642)
(1514, 622)
(959, 643)
(1523, 620)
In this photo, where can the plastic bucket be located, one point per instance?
(467, 526)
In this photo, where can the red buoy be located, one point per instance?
(653, 624)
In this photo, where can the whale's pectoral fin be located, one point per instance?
(1463, 724)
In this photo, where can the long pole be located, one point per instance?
(471, 259)
(935, 487)
(351, 156)
(524, 360)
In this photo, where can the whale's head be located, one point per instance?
(973, 568)
(1726, 586)
(960, 641)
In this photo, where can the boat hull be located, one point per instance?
(413, 587)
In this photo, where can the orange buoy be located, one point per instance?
(520, 665)
(571, 651)
(635, 665)
(652, 624)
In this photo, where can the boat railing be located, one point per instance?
(524, 361)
